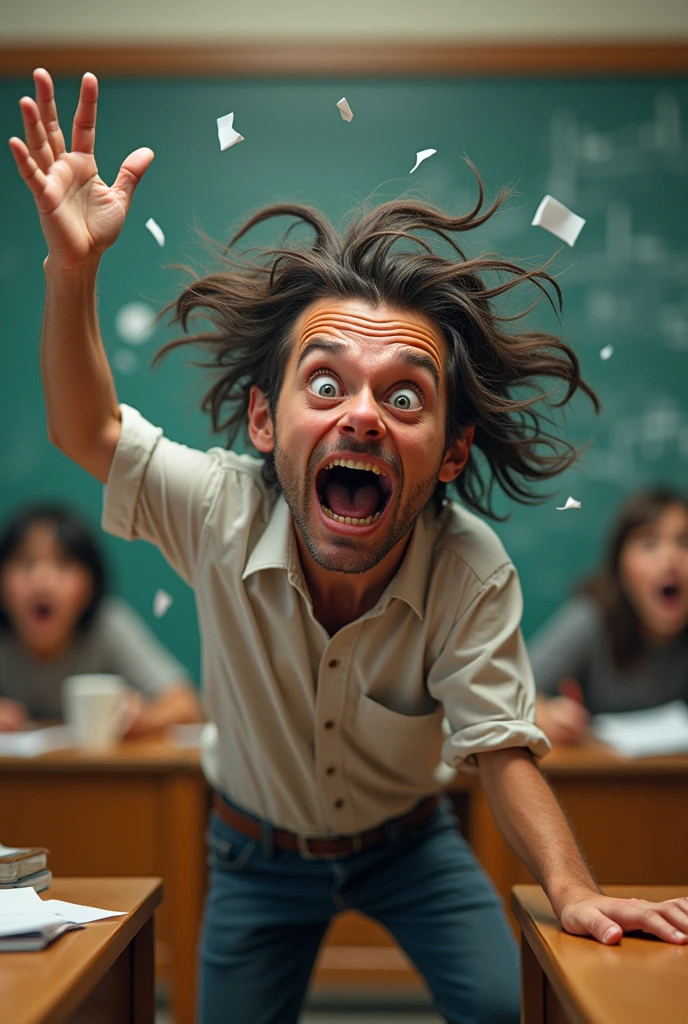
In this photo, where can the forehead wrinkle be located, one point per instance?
(413, 334)
(366, 326)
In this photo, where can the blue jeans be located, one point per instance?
(267, 912)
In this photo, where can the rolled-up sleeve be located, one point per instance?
(483, 677)
(160, 491)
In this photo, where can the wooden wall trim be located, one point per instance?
(351, 59)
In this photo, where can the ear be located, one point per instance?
(456, 457)
(260, 426)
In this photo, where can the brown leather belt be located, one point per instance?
(338, 846)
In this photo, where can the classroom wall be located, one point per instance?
(76, 21)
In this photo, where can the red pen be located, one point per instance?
(571, 688)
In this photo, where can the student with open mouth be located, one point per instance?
(621, 643)
(346, 606)
(58, 620)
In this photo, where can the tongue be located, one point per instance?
(360, 504)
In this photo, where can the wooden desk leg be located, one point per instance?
(184, 819)
(143, 975)
(532, 987)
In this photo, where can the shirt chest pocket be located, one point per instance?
(406, 748)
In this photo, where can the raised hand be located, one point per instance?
(80, 215)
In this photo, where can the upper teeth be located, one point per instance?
(350, 464)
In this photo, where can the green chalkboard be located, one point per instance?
(613, 150)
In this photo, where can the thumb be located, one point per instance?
(131, 172)
(591, 921)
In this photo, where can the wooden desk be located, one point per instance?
(138, 810)
(567, 978)
(101, 974)
(630, 817)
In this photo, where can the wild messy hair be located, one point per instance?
(385, 256)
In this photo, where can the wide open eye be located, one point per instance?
(405, 399)
(325, 386)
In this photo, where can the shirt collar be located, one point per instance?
(410, 583)
(276, 549)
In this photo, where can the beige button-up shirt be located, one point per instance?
(317, 734)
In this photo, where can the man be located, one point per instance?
(344, 606)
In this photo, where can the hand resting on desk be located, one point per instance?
(606, 918)
(564, 721)
(13, 715)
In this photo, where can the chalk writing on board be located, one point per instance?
(639, 441)
(580, 152)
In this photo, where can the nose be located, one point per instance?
(361, 417)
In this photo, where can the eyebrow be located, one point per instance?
(337, 348)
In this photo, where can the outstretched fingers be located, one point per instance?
(84, 126)
(35, 134)
(28, 168)
(45, 100)
(131, 172)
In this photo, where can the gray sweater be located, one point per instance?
(575, 643)
(116, 641)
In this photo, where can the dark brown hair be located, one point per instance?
(383, 258)
(624, 627)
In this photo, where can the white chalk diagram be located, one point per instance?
(579, 152)
(580, 155)
(635, 277)
(639, 441)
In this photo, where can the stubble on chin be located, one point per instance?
(339, 552)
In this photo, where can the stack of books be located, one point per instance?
(21, 866)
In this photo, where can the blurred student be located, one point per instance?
(56, 621)
(620, 644)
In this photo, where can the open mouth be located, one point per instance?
(42, 611)
(352, 492)
(670, 593)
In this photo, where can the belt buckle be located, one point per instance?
(305, 851)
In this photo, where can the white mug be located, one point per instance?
(96, 708)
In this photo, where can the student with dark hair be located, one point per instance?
(621, 643)
(344, 612)
(56, 621)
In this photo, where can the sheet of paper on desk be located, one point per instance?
(650, 733)
(35, 741)
(22, 911)
(79, 914)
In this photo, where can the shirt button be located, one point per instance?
(339, 803)
(329, 724)
(333, 663)
(330, 770)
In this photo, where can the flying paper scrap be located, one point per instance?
(570, 503)
(161, 603)
(607, 352)
(156, 231)
(556, 218)
(225, 132)
(345, 110)
(420, 157)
